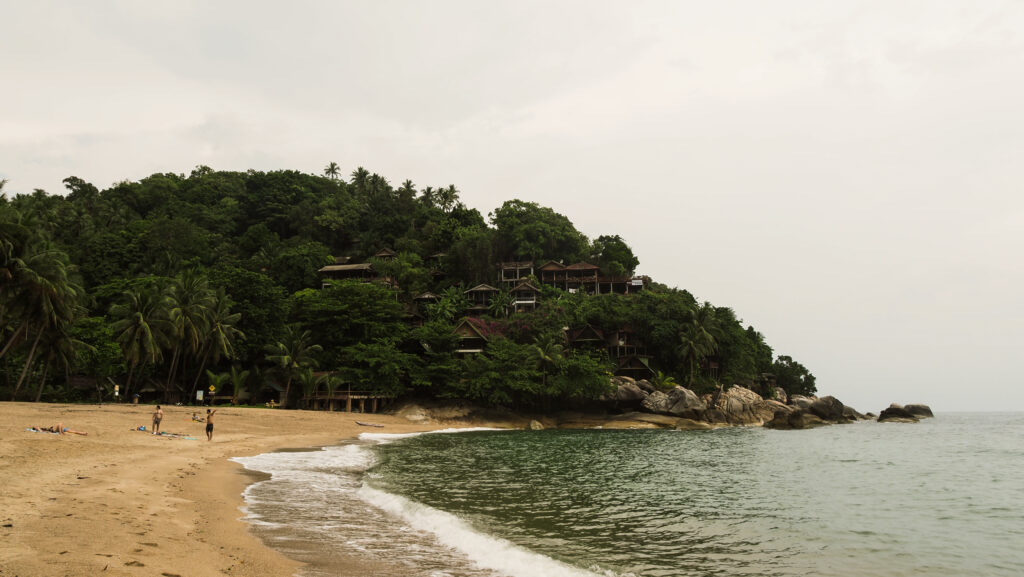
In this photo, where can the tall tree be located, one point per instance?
(293, 353)
(332, 171)
(141, 327)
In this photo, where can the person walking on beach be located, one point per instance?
(158, 416)
(209, 424)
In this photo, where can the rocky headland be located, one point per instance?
(639, 404)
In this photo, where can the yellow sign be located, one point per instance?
(212, 388)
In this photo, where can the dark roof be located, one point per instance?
(552, 265)
(483, 288)
(346, 267)
(582, 266)
(526, 285)
(385, 252)
(522, 264)
(427, 296)
(467, 328)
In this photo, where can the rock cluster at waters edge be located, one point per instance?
(740, 406)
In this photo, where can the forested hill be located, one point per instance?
(217, 280)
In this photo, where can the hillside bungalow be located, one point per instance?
(585, 337)
(513, 273)
(524, 297)
(471, 338)
(386, 254)
(480, 298)
(340, 272)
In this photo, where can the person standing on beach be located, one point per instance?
(158, 416)
(209, 424)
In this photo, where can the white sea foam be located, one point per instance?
(486, 551)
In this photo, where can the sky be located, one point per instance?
(847, 176)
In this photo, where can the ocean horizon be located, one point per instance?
(939, 497)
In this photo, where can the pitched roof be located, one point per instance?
(483, 288)
(427, 296)
(525, 286)
(582, 266)
(385, 252)
(552, 265)
(346, 267)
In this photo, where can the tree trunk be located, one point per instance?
(28, 363)
(199, 374)
(287, 389)
(13, 339)
(42, 381)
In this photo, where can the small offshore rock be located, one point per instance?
(897, 414)
(535, 425)
(919, 411)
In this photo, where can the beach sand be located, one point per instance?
(124, 502)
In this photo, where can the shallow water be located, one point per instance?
(940, 497)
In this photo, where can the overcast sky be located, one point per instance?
(847, 176)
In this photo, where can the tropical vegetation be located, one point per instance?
(174, 284)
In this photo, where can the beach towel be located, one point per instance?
(31, 430)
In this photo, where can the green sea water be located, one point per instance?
(943, 497)
(940, 497)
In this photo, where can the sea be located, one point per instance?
(942, 497)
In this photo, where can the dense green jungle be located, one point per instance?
(156, 289)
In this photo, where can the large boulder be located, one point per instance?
(646, 386)
(827, 409)
(897, 414)
(741, 406)
(816, 413)
(800, 401)
(657, 402)
(686, 404)
(629, 392)
(919, 411)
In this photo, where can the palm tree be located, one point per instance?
(221, 334)
(698, 339)
(238, 379)
(447, 198)
(501, 304)
(189, 300)
(293, 353)
(141, 327)
(548, 354)
(332, 171)
(45, 295)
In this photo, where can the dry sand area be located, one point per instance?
(123, 502)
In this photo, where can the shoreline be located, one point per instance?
(124, 502)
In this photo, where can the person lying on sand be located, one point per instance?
(59, 428)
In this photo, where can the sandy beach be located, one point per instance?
(124, 502)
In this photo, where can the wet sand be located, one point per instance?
(123, 502)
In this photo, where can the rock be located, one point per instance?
(778, 394)
(827, 409)
(640, 421)
(800, 401)
(897, 414)
(685, 403)
(630, 392)
(741, 406)
(852, 414)
(414, 413)
(919, 411)
(657, 402)
(535, 426)
(646, 386)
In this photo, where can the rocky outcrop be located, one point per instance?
(908, 414)
(734, 406)
(919, 411)
(535, 425)
(815, 413)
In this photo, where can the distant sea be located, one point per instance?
(943, 497)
